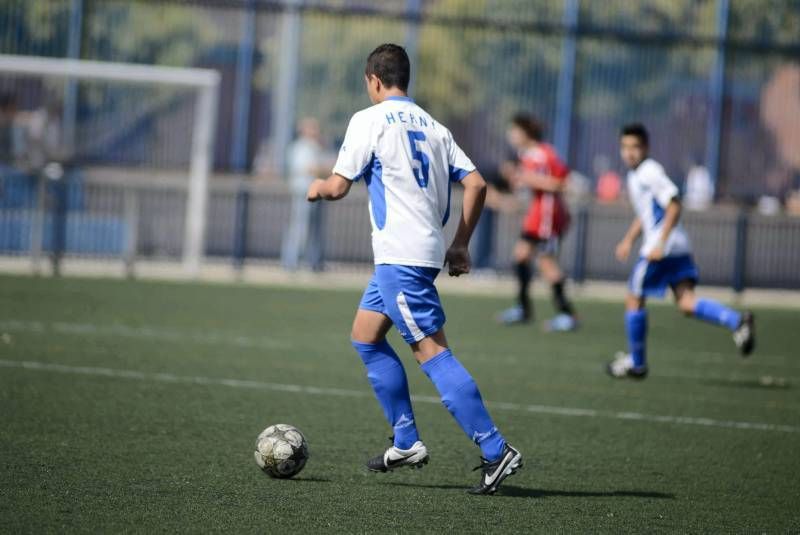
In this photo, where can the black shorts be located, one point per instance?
(549, 246)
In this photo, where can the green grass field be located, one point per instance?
(133, 406)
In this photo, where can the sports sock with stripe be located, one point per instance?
(717, 313)
(388, 379)
(636, 331)
(461, 397)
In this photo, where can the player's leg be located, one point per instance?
(633, 364)
(385, 372)
(524, 250)
(459, 393)
(636, 330)
(416, 310)
(550, 270)
(462, 398)
(741, 324)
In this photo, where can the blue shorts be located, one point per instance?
(406, 295)
(650, 279)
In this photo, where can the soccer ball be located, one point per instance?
(281, 451)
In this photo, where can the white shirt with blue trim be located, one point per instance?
(650, 191)
(408, 161)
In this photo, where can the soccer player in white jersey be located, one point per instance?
(409, 161)
(665, 259)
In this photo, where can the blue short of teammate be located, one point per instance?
(650, 279)
(406, 295)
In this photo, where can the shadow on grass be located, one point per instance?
(762, 383)
(522, 492)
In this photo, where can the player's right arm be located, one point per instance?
(355, 156)
(457, 256)
(626, 244)
(463, 170)
(332, 188)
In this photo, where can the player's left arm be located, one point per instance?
(672, 215)
(457, 256)
(668, 196)
(541, 181)
(332, 188)
(554, 181)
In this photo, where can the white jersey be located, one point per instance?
(650, 191)
(408, 162)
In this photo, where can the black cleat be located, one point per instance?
(493, 473)
(622, 368)
(745, 334)
(416, 457)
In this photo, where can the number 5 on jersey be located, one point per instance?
(421, 160)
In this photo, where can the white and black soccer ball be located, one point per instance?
(281, 451)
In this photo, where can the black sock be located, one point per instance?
(523, 270)
(560, 301)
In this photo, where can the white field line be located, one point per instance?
(143, 332)
(245, 341)
(342, 392)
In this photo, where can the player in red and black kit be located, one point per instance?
(540, 169)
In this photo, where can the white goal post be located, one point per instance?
(205, 81)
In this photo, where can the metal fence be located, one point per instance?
(94, 215)
(706, 75)
(717, 82)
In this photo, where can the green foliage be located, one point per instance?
(771, 21)
(333, 55)
(45, 21)
(38, 28)
(471, 77)
(148, 32)
(689, 17)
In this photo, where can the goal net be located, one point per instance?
(105, 160)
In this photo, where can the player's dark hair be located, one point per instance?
(530, 125)
(391, 65)
(637, 130)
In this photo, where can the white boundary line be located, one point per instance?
(149, 332)
(143, 332)
(341, 392)
(242, 340)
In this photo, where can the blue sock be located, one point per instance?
(388, 378)
(636, 329)
(717, 313)
(461, 397)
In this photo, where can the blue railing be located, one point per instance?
(138, 220)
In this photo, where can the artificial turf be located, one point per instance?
(138, 404)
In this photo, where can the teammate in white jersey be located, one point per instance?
(665, 259)
(408, 162)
